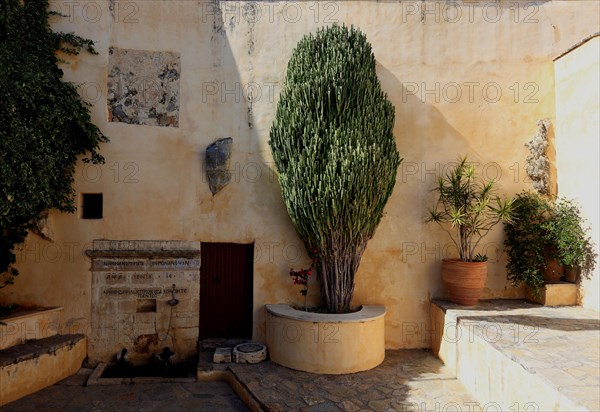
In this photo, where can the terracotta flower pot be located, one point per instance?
(553, 271)
(571, 274)
(464, 281)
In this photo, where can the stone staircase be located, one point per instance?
(516, 355)
(33, 355)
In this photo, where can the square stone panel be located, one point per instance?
(143, 87)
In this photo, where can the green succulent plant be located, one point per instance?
(335, 153)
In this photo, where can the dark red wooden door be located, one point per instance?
(226, 285)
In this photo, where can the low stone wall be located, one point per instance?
(496, 346)
(132, 281)
(30, 324)
(326, 343)
(30, 367)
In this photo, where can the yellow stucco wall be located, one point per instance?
(577, 142)
(470, 78)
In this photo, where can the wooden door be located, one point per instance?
(226, 290)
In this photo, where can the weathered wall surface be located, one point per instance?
(468, 78)
(145, 297)
(577, 145)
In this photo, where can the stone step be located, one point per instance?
(35, 365)
(516, 355)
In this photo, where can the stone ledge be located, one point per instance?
(33, 366)
(181, 254)
(555, 294)
(497, 345)
(27, 313)
(366, 313)
(29, 324)
(485, 305)
(150, 245)
(35, 349)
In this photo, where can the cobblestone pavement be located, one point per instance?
(561, 345)
(69, 395)
(408, 380)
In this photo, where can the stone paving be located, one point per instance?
(560, 345)
(70, 395)
(408, 380)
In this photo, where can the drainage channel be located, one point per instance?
(114, 375)
(215, 369)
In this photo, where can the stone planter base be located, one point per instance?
(326, 343)
(555, 294)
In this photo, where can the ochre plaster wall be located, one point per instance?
(577, 143)
(472, 79)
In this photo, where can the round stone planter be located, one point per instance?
(326, 343)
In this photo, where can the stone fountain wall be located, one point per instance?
(132, 281)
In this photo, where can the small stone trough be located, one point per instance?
(243, 353)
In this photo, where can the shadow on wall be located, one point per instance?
(249, 209)
(422, 134)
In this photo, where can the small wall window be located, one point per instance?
(91, 206)
(145, 305)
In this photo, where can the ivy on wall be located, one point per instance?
(45, 126)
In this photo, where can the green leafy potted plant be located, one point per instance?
(526, 243)
(566, 231)
(545, 236)
(470, 208)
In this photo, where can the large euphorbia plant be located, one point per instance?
(335, 153)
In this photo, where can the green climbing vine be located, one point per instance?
(45, 126)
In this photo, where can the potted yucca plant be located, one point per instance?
(467, 208)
